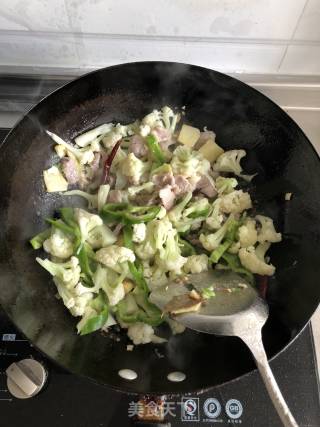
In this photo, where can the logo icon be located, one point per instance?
(234, 409)
(190, 409)
(212, 408)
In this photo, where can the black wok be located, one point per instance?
(242, 118)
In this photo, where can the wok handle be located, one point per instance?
(256, 347)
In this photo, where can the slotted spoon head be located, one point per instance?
(236, 309)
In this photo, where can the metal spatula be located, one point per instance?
(235, 310)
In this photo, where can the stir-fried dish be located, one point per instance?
(163, 200)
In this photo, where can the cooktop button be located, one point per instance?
(25, 378)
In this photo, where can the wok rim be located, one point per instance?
(75, 81)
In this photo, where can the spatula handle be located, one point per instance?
(256, 346)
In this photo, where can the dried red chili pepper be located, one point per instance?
(108, 163)
(262, 283)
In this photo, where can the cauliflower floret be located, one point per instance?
(175, 214)
(115, 134)
(229, 161)
(80, 290)
(134, 168)
(169, 118)
(164, 118)
(196, 264)
(267, 233)
(67, 272)
(111, 283)
(147, 249)
(191, 217)
(234, 248)
(58, 245)
(215, 219)
(154, 275)
(161, 241)
(198, 208)
(139, 232)
(253, 260)
(235, 202)
(153, 119)
(64, 293)
(196, 224)
(115, 294)
(114, 255)
(95, 145)
(225, 185)
(87, 222)
(126, 130)
(157, 277)
(134, 190)
(144, 130)
(156, 235)
(140, 333)
(248, 235)
(76, 297)
(147, 269)
(174, 264)
(101, 236)
(211, 241)
(80, 303)
(111, 138)
(189, 163)
(87, 157)
(169, 257)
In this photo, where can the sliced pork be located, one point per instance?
(170, 187)
(71, 170)
(164, 179)
(167, 197)
(164, 137)
(114, 196)
(206, 186)
(138, 146)
(182, 185)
